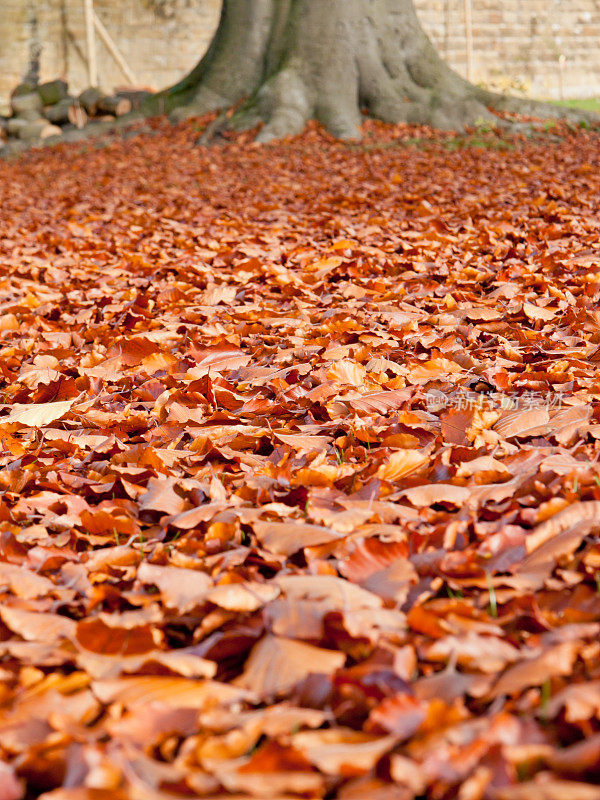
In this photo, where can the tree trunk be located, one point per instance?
(293, 60)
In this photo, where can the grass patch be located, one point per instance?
(585, 104)
(461, 141)
(482, 142)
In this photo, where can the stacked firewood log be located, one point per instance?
(49, 109)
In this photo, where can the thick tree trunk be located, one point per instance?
(293, 60)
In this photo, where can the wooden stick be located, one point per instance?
(469, 38)
(88, 6)
(114, 51)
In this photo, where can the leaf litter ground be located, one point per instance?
(300, 481)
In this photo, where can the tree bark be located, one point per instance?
(293, 60)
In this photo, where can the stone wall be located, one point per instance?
(549, 48)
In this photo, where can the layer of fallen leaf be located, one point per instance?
(300, 493)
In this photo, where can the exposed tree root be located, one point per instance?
(300, 59)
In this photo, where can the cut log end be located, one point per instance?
(76, 115)
(38, 129)
(90, 98)
(115, 105)
(96, 103)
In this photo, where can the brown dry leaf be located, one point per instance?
(521, 423)
(161, 496)
(245, 431)
(277, 664)
(120, 556)
(401, 463)
(195, 516)
(563, 464)
(432, 370)
(218, 294)
(218, 361)
(171, 692)
(554, 662)
(450, 685)
(100, 666)
(421, 496)
(581, 701)
(547, 787)
(394, 582)
(24, 583)
(303, 442)
(237, 734)
(585, 513)
(339, 592)
(273, 721)
(11, 787)
(243, 597)
(577, 758)
(111, 637)
(36, 626)
(245, 796)
(400, 715)
(534, 312)
(342, 751)
(371, 555)
(87, 793)
(180, 588)
(159, 362)
(347, 372)
(408, 773)
(285, 538)
(380, 402)
(37, 415)
(455, 424)
(321, 474)
(9, 322)
(272, 770)
(471, 650)
(481, 464)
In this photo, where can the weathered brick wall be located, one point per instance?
(520, 42)
(515, 42)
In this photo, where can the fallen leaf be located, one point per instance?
(421, 496)
(401, 463)
(286, 538)
(35, 626)
(161, 496)
(534, 312)
(535, 671)
(343, 751)
(546, 787)
(171, 692)
(586, 513)
(243, 597)
(180, 588)
(276, 664)
(37, 415)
